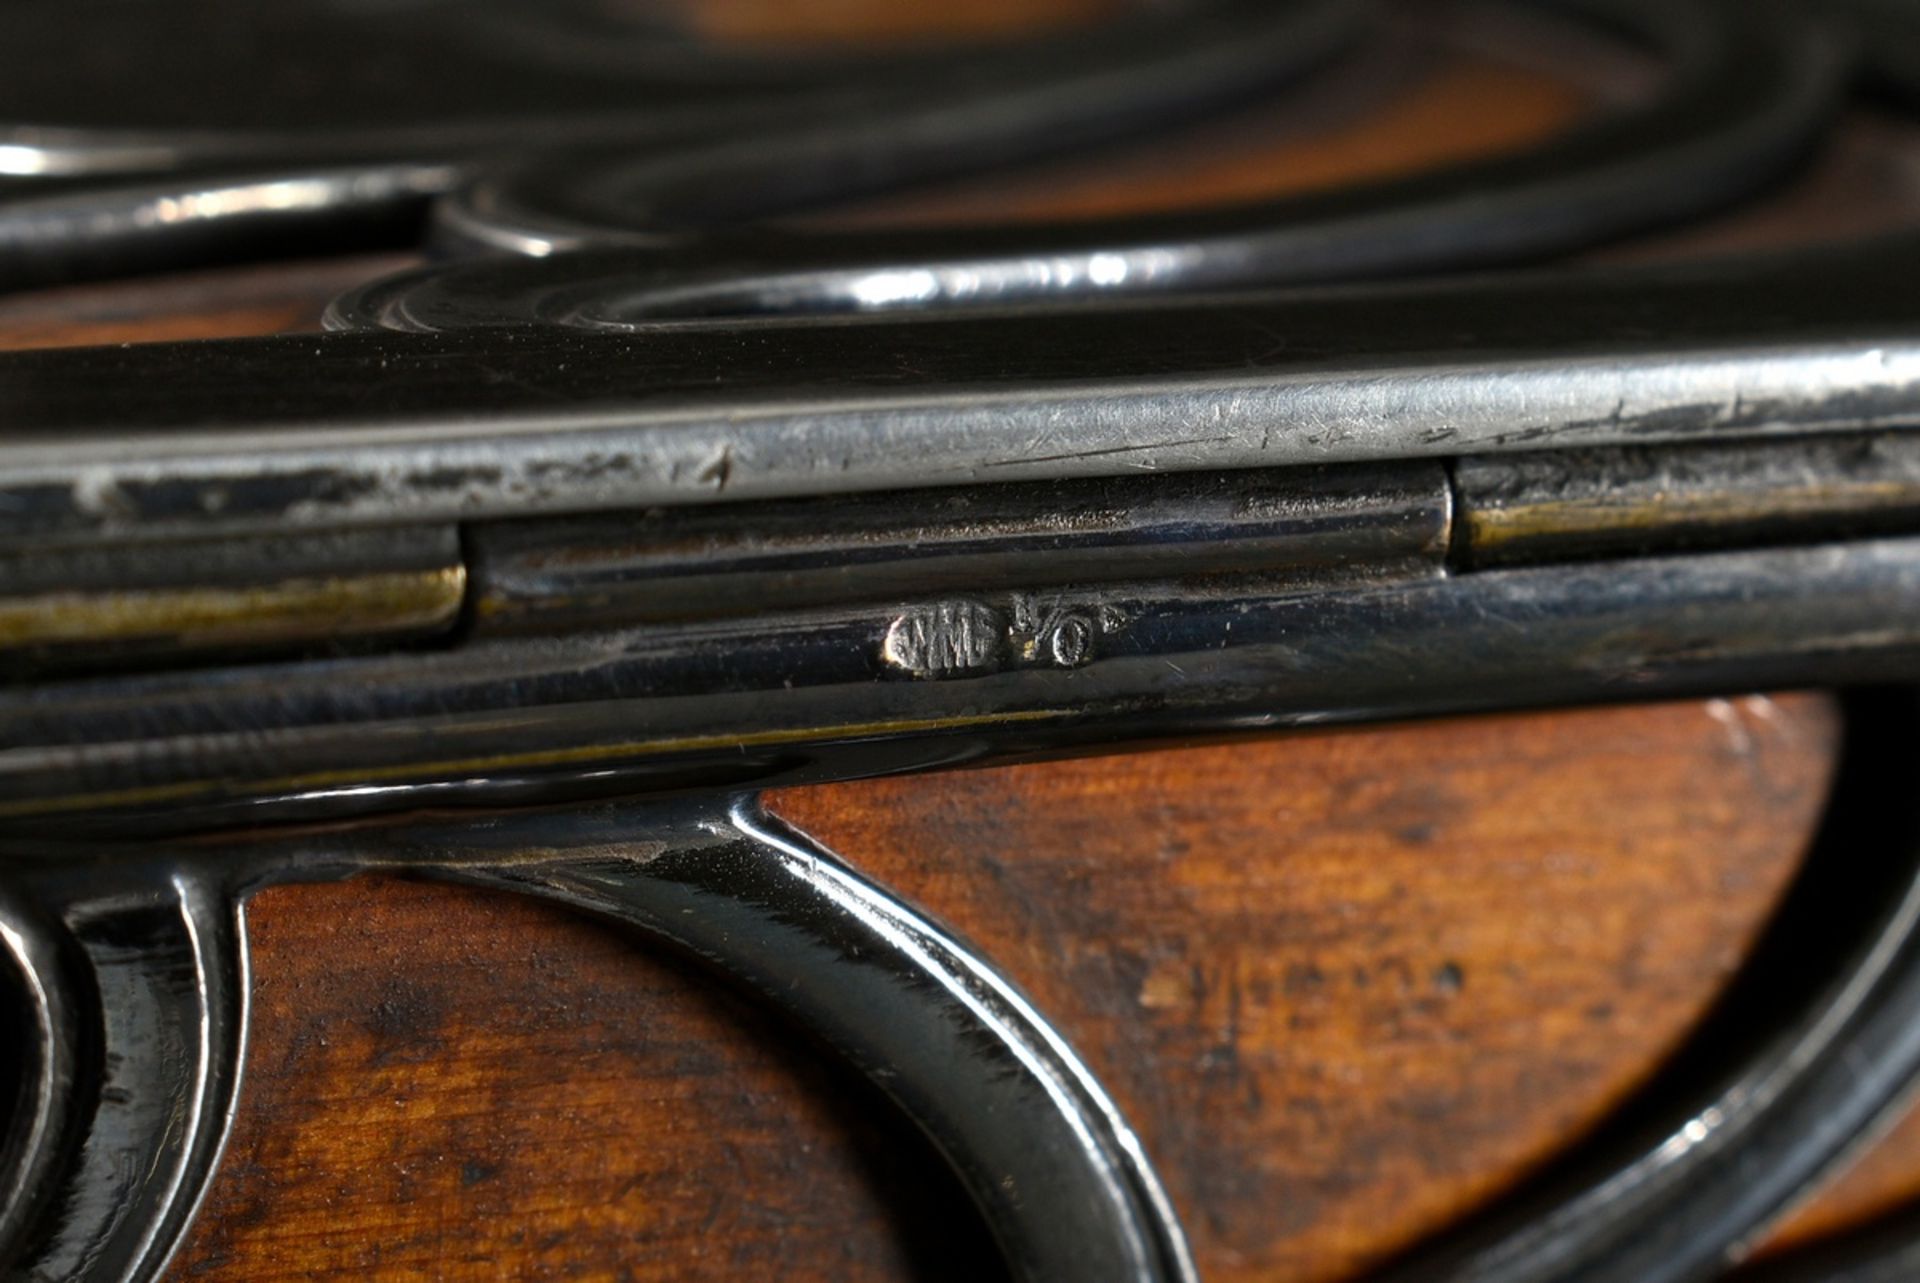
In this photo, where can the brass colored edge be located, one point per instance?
(293, 610)
(1499, 525)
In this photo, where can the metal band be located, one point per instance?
(46, 1069)
(317, 432)
(142, 1046)
(1748, 88)
(1062, 1181)
(1794, 1068)
(1059, 1176)
(851, 691)
(331, 177)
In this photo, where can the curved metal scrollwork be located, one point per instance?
(44, 1066)
(303, 176)
(1746, 89)
(140, 1006)
(138, 1054)
(1060, 1178)
(131, 967)
(140, 1051)
(1815, 1043)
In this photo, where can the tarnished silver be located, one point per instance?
(140, 995)
(797, 696)
(898, 632)
(669, 564)
(687, 537)
(164, 441)
(123, 1135)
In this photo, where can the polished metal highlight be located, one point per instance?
(1555, 505)
(711, 511)
(292, 611)
(64, 608)
(1058, 1175)
(1060, 1178)
(140, 993)
(791, 697)
(1752, 1112)
(401, 104)
(1747, 89)
(667, 564)
(502, 418)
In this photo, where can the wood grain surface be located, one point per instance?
(1347, 985)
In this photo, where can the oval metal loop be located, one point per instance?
(1060, 1178)
(46, 1065)
(1116, 86)
(1795, 1068)
(95, 88)
(335, 173)
(155, 1048)
(1747, 90)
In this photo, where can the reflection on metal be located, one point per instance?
(1055, 1171)
(310, 125)
(374, 429)
(141, 994)
(792, 697)
(1748, 88)
(44, 1065)
(67, 607)
(640, 521)
(85, 231)
(562, 574)
(1751, 1114)
(1555, 505)
(1808, 1052)
(376, 605)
